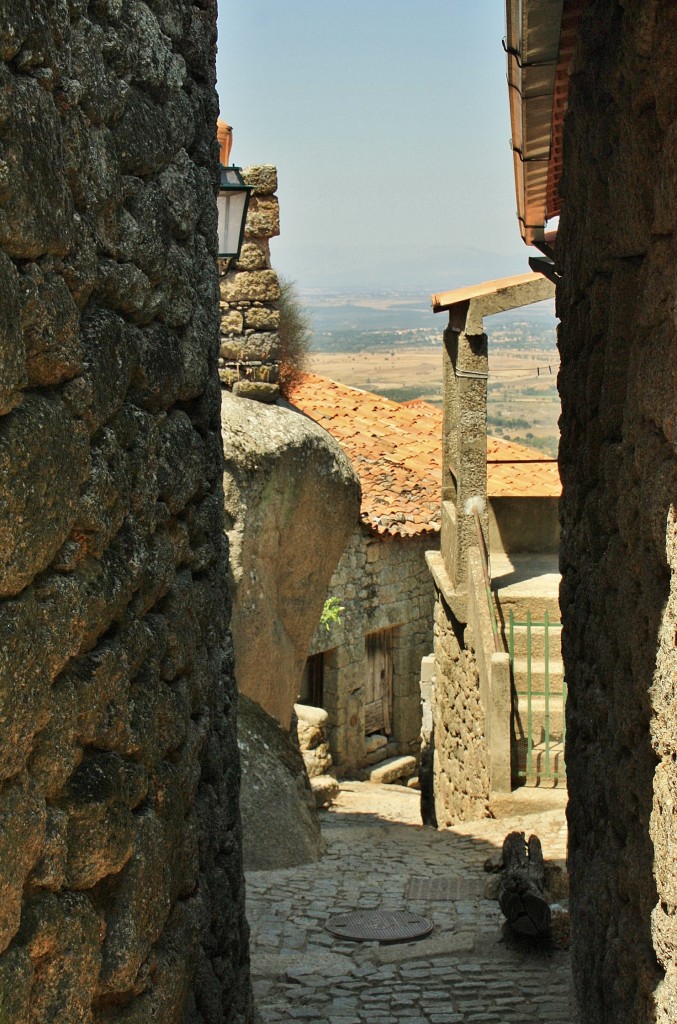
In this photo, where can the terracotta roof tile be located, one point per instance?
(396, 450)
(514, 471)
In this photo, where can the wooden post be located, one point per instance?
(520, 891)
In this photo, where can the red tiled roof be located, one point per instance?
(515, 471)
(396, 450)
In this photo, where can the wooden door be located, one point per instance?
(378, 702)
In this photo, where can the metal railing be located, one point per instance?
(542, 744)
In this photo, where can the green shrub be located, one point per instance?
(331, 613)
(295, 334)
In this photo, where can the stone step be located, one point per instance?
(537, 641)
(380, 754)
(393, 770)
(521, 720)
(522, 602)
(541, 764)
(555, 674)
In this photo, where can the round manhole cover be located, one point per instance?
(379, 926)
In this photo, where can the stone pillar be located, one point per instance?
(249, 355)
(464, 474)
(464, 442)
(464, 709)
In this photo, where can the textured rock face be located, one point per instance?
(276, 798)
(291, 500)
(309, 724)
(617, 250)
(461, 756)
(120, 858)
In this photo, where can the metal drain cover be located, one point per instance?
(450, 888)
(379, 926)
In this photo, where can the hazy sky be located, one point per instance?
(388, 122)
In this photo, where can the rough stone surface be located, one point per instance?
(291, 500)
(309, 728)
(254, 255)
(618, 343)
(276, 798)
(40, 486)
(262, 178)
(461, 772)
(250, 286)
(259, 391)
(257, 347)
(378, 857)
(250, 294)
(325, 789)
(263, 217)
(382, 584)
(121, 891)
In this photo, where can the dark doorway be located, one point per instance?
(312, 681)
(378, 690)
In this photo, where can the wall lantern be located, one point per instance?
(233, 198)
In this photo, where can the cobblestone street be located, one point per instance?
(379, 856)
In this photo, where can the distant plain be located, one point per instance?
(392, 345)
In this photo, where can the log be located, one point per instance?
(520, 891)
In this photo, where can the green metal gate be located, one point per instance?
(539, 701)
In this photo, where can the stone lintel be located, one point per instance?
(467, 306)
(511, 297)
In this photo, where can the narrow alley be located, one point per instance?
(379, 856)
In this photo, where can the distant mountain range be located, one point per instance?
(417, 270)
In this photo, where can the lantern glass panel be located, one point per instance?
(231, 210)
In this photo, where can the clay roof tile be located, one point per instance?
(396, 450)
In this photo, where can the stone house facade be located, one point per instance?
(120, 851)
(384, 585)
(365, 670)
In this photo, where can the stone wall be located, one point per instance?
(120, 865)
(250, 294)
(461, 761)
(617, 252)
(381, 583)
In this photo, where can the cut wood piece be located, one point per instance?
(520, 891)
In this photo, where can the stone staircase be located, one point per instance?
(542, 716)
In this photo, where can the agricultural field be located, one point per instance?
(394, 348)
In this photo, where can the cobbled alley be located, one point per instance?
(378, 856)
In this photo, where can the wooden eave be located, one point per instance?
(540, 40)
